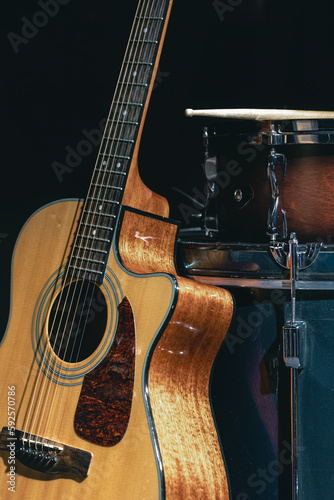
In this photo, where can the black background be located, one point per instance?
(252, 53)
(256, 53)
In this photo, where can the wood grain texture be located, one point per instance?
(104, 406)
(179, 381)
(126, 471)
(146, 245)
(179, 374)
(307, 196)
(180, 370)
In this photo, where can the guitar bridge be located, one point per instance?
(45, 455)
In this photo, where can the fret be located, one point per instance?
(104, 201)
(127, 103)
(111, 155)
(89, 259)
(110, 171)
(120, 125)
(140, 63)
(87, 249)
(153, 18)
(118, 139)
(118, 150)
(97, 226)
(144, 41)
(126, 122)
(106, 187)
(89, 237)
(78, 268)
(120, 130)
(102, 214)
(133, 84)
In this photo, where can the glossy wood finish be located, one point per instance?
(186, 324)
(104, 406)
(261, 114)
(187, 437)
(128, 470)
(179, 381)
(307, 196)
(179, 373)
(140, 243)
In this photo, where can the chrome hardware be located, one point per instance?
(238, 195)
(272, 212)
(210, 169)
(293, 337)
(306, 253)
(294, 257)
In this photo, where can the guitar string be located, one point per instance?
(129, 94)
(108, 126)
(35, 399)
(88, 208)
(55, 341)
(53, 357)
(52, 327)
(69, 330)
(108, 143)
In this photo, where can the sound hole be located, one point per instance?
(77, 321)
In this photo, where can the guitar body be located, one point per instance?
(162, 443)
(106, 362)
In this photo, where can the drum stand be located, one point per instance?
(294, 257)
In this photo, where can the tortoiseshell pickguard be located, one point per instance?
(104, 405)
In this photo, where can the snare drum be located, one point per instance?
(272, 178)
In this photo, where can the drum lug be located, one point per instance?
(272, 212)
(293, 339)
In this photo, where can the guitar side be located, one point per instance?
(179, 376)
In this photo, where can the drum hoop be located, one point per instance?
(223, 264)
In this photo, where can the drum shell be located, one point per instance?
(306, 191)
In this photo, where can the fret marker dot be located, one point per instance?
(134, 73)
(118, 165)
(94, 232)
(145, 30)
(100, 207)
(124, 112)
(104, 163)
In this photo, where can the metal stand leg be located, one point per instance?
(294, 257)
(292, 359)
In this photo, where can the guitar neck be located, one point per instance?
(119, 140)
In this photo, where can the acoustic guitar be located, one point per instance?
(106, 361)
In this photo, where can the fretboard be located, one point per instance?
(101, 208)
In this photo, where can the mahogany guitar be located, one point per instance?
(106, 361)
